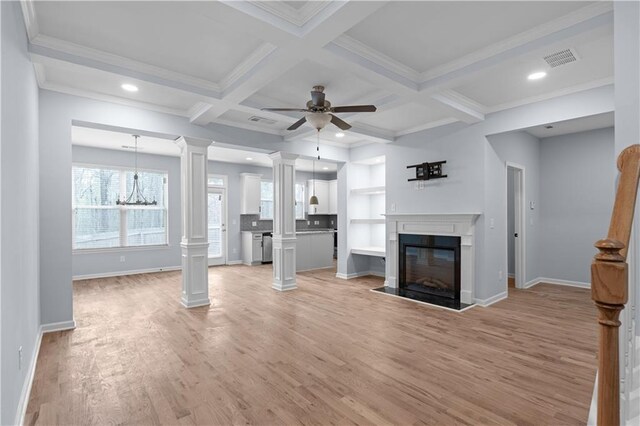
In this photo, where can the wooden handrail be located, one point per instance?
(609, 276)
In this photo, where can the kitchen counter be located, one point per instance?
(302, 232)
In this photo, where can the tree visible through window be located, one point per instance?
(100, 223)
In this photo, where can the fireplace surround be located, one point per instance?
(460, 226)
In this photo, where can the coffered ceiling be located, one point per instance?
(424, 64)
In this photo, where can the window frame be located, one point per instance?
(122, 209)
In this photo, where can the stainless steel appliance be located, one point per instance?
(267, 248)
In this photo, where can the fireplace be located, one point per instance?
(431, 258)
(430, 265)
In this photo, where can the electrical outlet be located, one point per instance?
(121, 258)
(308, 222)
(235, 250)
(316, 222)
(332, 222)
(20, 358)
(500, 275)
(393, 207)
(254, 223)
(492, 223)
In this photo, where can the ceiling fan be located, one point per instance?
(319, 111)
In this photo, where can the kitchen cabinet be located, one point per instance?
(251, 248)
(322, 192)
(333, 197)
(250, 189)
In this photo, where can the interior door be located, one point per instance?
(217, 226)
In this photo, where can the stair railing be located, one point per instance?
(609, 281)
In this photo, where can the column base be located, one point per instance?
(195, 303)
(284, 286)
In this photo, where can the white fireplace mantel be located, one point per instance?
(451, 224)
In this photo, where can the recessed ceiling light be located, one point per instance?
(325, 168)
(129, 87)
(339, 135)
(249, 158)
(537, 75)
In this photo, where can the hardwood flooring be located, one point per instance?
(330, 352)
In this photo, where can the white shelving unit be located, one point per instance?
(366, 209)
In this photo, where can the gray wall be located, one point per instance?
(108, 261)
(577, 192)
(19, 272)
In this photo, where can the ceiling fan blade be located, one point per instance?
(354, 108)
(340, 123)
(297, 123)
(284, 109)
(317, 98)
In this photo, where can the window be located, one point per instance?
(98, 222)
(300, 200)
(266, 199)
(216, 181)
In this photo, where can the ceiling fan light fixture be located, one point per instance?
(318, 119)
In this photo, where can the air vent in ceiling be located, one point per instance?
(257, 119)
(561, 57)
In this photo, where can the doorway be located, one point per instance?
(217, 218)
(516, 225)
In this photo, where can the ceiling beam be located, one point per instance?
(460, 107)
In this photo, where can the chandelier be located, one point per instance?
(135, 198)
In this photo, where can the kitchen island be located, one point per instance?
(314, 248)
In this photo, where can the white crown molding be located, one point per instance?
(248, 64)
(561, 23)
(297, 17)
(550, 95)
(47, 42)
(464, 109)
(358, 48)
(427, 126)
(30, 19)
(113, 99)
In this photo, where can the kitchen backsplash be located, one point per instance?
(324, 222)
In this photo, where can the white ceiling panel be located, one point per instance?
(423, 35)
(183, 37)
(405, 116)
(89, 80)
(507, 83)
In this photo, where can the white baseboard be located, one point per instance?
(556, 282)
(28, 383)
(234, 262)
(121, 273)
(23, 402)
(58, 326)
(359, 274)
(491, 300)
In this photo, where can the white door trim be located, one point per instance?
(520, 198)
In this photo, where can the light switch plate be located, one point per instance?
(254, 223)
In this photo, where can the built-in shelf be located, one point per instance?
(369, 221)
(374, 190)
(369, 251)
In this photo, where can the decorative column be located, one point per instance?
(284, 221)
(193, 177)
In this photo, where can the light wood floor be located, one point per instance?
(330, 352)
